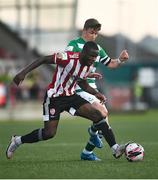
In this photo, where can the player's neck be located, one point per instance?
(84, 37)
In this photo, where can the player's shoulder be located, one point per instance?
(67, 55)
(75, 40)
(62, 55)
(72, 45)
(75, 45)
(102, 51)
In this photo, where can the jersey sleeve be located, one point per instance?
(61, 59)
(72, 46)
(104, 58)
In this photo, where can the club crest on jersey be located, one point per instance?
(52, 111)
(62, 55)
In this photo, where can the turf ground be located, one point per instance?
(59, 157)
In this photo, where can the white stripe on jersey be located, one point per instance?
(80, 45)
(105, 60)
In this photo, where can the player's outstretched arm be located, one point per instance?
(19, 77)
(123, 57)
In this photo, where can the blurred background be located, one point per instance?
(32, 28)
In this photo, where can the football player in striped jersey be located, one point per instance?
(71, 68)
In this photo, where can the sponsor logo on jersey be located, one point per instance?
(73, 56)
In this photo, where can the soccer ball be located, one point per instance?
(134, 152)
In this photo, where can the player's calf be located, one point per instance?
(106, 130)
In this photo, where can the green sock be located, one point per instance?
(89, 147)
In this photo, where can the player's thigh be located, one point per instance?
(88, 111)
(51, 108)
(95, 102)
(101, 107)
(88, 97)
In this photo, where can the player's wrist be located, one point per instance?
(118, 60)
(95, 92)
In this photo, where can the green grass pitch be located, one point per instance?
(58, 158)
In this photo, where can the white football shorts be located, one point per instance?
(88, 97)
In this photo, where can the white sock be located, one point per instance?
(114, 148)
(92, 132)
(86, 152)
(18, 140)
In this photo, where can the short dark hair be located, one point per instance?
(89, 46)
(92, 23)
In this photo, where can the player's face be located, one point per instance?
(88, 58)
(91, 34)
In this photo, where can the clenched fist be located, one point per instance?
(124, 56)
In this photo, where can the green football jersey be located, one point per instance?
(76, 45)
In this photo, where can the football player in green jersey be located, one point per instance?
(90, 33)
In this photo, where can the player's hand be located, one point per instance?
(18, 78)
(101, 97)
(95, 75)
(124, 56)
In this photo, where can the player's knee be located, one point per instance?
(100, 124)
(104, 113)
(96, 115)
(101, 108)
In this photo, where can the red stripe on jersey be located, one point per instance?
(74, 81)
(56, 80)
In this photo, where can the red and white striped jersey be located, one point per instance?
(67, 72)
